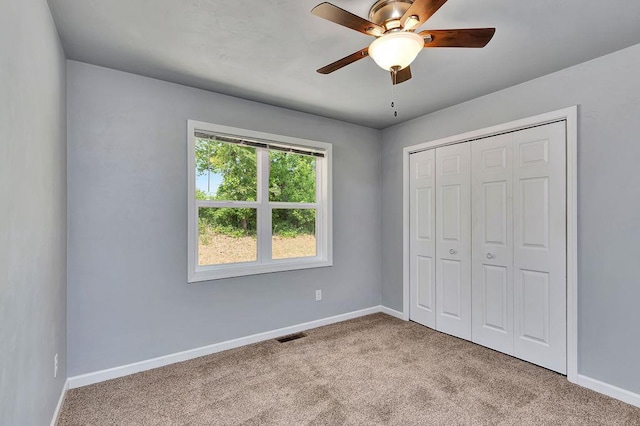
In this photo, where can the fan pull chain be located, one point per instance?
(393, 96)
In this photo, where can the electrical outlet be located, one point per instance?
(318, 295)
(55, 366)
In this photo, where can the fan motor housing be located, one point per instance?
(385, 12)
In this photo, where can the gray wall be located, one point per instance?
(127, 170)
(607, 91)
(33, 254)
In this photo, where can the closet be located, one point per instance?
(488, 242)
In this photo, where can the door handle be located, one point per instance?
(490, 256)
(452, 251)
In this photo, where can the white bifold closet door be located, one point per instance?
(492, 189)
(453, 240)
(540, 248)
(422, 248)
(488, 242)
(519, 244)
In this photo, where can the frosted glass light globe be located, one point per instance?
(397, 49)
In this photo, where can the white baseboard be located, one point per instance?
(609, 390)
(392, 312)
(136, 367)
(63, 395)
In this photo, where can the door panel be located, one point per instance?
(492, 247)
(422, 241)
(424, 282)
(534, 306)
(451, 213)
(540, 245)
(494, 296)
(534, 199)
(495, 213)
(453, 240)
(452, 275)
(495, 158)
(424, 208)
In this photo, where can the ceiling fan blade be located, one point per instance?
(423, 9)
(344, 61)
(471, 37)
(401, 76)
(347, 19)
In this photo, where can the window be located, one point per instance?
(258, 202)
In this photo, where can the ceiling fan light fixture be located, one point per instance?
(411, 22)
(392, 24)
(397, 49)
(376, 32)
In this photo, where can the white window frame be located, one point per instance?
(264, 263)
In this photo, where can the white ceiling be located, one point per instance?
(268, 50)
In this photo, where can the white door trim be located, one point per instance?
(570, 116)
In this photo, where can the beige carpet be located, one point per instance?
(367, 371)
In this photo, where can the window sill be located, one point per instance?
(209, 273)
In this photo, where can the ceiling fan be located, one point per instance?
(393, 23)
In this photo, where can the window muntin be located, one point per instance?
(257, 203)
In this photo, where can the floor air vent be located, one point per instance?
(291, 337)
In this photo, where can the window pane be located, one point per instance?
(294, 233)
(292, 177)
(226, 235)
(225, 171)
